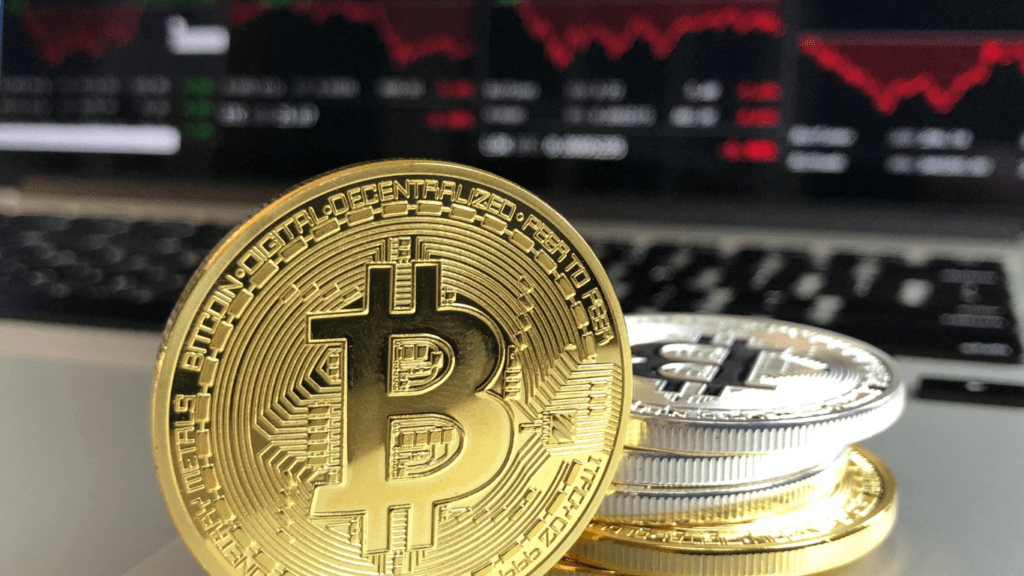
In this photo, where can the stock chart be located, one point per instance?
(716, 98)
(924, 100)
(642, 96)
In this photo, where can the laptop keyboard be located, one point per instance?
(939, 309)
(129, 274)
(98, 271)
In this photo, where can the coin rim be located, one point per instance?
(735, 503)
(242, 235)
(568, 564)
(873, 527)
(705, 469)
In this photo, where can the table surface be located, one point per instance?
(78, 492)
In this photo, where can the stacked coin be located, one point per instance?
(740, 457)
(416, 367)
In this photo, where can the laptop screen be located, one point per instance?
(774, 101)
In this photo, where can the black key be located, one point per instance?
(745, 304)
(795, 266)
(58, 290)
(682, 300)
(187, 260)
(119, 238)
(118, 284)
(27, 238)
(41, 223)
(657, 255)
(34, 255)
(610, 252)
(133, 263)
(869, 278)
(648, 276)
(889, 282)
(105, 256)
(165, 246)
(60, 258)
(13, 270)
(920, 333)
(80, 273)
(163, 229)
(40, 278)
(951, 295)
(102, 226)
(641, 294)
(971, 391)
(839, 274)
(742, 267)
(153, 275)
(843, 261)
(942, 264)
(968, 283)
(748, 256)
(206, 236)
(701, 258)
(790, 311)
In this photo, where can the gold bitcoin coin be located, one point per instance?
(401, 367)
(834, 531)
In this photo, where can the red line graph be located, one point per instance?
(410, 31)
(940, 70)
(569, 29)
(62, 31)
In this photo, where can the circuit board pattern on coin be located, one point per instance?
(404, 367)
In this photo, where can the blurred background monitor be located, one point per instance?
(789, 103)
(902, 117)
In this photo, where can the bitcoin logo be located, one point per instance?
(408, 367)
(703, 368)
(416, 386)
(744, 369)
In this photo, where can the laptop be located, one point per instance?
(857, 168)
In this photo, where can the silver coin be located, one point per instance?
(717, 384)
(671, 470)
(640, 505)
